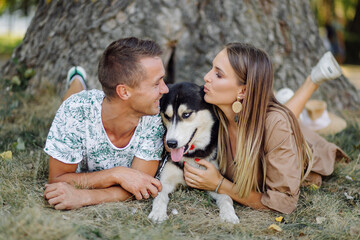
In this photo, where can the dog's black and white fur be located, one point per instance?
(191, 133)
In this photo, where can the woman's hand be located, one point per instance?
(202, 179)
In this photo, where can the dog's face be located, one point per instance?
(189, 120)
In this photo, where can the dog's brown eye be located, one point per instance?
(186, 115)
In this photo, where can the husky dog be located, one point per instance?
(191, 133)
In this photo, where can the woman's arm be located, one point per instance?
(210, 178)
(253, 200)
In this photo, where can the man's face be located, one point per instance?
(145, 98)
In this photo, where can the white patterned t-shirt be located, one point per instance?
(77, 136)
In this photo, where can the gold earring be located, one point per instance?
(237, 106)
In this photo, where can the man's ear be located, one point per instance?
(123, 91)
(242, 91)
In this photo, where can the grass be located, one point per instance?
(25, 215)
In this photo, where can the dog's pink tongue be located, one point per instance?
(176, 154)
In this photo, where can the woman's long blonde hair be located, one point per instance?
(254, 69)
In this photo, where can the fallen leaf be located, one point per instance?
(280, 219)
(6, 155)
(20, 144)
(354, 231)
(349, 178)
(313, 187)
(275, 228)
(16, 81)
(174, 212)
(29, 166)
(349, 197)
(320, 220)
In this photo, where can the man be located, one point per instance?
(104, 146)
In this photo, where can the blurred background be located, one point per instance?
(338, 21)
(15, 17)
(339, 27)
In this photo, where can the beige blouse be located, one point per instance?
(283, 173)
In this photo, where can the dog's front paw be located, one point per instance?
(229, 218)
(158, 216)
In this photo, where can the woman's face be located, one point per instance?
(221, 87)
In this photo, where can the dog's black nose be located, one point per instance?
(172, 143)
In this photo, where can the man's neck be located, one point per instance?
(119, 121)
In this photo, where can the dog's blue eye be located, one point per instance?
(186, 115)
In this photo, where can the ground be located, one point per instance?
(331, 212)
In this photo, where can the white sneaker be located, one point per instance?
(284, 95)
(74, 72)
(326, 69)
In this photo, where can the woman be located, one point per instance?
(263, 155)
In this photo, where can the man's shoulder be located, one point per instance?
(151, 119)
(81, 106)
(151, 123)
(85, 97)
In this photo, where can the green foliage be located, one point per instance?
(8, 44)
(13, 5)
(13, 97)
(343, 17)
(327, 10)
(20, 125)
(19, 82)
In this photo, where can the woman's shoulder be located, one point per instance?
(277, 128)
(277, 117)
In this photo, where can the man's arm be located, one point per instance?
(133, 179)
(137, 180)
(63, 172)
(62, 195)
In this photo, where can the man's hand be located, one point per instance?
(138, 183)
(64, 196)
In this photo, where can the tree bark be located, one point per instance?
(191, 32)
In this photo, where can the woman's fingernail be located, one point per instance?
(197, 159)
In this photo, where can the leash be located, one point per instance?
(161, 167)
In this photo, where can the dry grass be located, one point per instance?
(25, 215)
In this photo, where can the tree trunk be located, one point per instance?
(191, 32)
